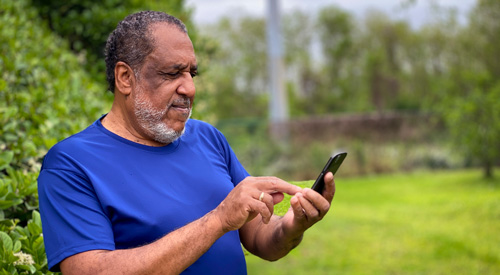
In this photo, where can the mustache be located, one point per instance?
(181, 102)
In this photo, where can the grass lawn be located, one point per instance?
(445, 222)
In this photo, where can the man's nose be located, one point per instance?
(186, 87)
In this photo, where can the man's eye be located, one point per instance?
(178, 74)
(169, 75)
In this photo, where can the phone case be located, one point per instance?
(332, 165)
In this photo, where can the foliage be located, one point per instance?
(475, 125)
(21, 248)
(470, 105)
(335, 63)
(18, 195)
(50, 88)
(234, 81)
(44, 96)
(440, 222)
(334, 89)
(41, 99)
(86, 24)
(52, 85)
(301, 158)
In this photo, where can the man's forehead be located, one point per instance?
(163, 63)
(172, 46)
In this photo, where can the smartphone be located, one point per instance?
(332, 165)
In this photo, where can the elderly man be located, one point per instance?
(146, 190)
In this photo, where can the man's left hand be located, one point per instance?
(307, 208)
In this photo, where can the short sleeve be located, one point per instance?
(72, 218)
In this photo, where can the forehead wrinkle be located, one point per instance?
(170, 63)
(182, 67)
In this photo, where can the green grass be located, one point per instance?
(422, 223)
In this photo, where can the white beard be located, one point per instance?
(150, 119)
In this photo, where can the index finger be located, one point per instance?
(273, 184)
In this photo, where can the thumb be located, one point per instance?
(296, 207)
(277, 197)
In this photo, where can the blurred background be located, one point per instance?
(409, 86)
(400, 85)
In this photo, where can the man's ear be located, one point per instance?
(124, 78)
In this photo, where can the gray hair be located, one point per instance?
(131, 41)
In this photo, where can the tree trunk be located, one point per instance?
(488, 169)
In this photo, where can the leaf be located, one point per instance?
(36, 218)
(38, 244)
(6, 241)
(29, 268)
(34, 228)
(6, 158)
(17, 247)
(4, 204)
(31, 207)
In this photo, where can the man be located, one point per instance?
(146, 190)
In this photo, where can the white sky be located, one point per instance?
(208, 11)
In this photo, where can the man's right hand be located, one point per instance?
(244, 202)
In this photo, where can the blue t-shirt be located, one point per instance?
(98, 190)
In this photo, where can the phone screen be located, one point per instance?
(332, 165)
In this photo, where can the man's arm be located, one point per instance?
(179, 249)
(275, 239)
(169, 255)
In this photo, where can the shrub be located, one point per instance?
(21, 248)
(45, 95)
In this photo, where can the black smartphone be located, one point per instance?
(332, 165)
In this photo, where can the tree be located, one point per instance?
(471, 106)
(235, 81)
(86, 24)
(336, 30)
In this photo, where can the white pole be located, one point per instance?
(278, 105)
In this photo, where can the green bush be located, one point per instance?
(86, 24)
(21, 248)
(45, 95)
